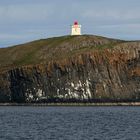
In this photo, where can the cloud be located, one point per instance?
(111, 14)
(25, 12)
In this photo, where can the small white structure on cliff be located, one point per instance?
(76, 29)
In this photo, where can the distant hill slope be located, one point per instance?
(56, 48)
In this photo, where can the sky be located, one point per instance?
(27, 20)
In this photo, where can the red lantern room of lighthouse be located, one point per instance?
(75, 23)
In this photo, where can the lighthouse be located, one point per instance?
(76, 29)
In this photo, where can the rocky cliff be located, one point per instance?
(71, 69)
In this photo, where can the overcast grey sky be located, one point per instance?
(26, 20)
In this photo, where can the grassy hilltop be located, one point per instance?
(56, 48)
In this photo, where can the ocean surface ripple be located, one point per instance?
(69, 123)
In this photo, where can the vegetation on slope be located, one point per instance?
(56, 48)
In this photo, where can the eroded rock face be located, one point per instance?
(98, 76)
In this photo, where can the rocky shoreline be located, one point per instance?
(72, 104)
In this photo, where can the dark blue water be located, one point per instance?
(69, 123)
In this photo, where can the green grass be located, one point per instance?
(56, 48)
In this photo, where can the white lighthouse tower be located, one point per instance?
(76, 29)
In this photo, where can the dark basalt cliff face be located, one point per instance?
(109, 74)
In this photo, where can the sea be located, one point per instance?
(69, 123)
